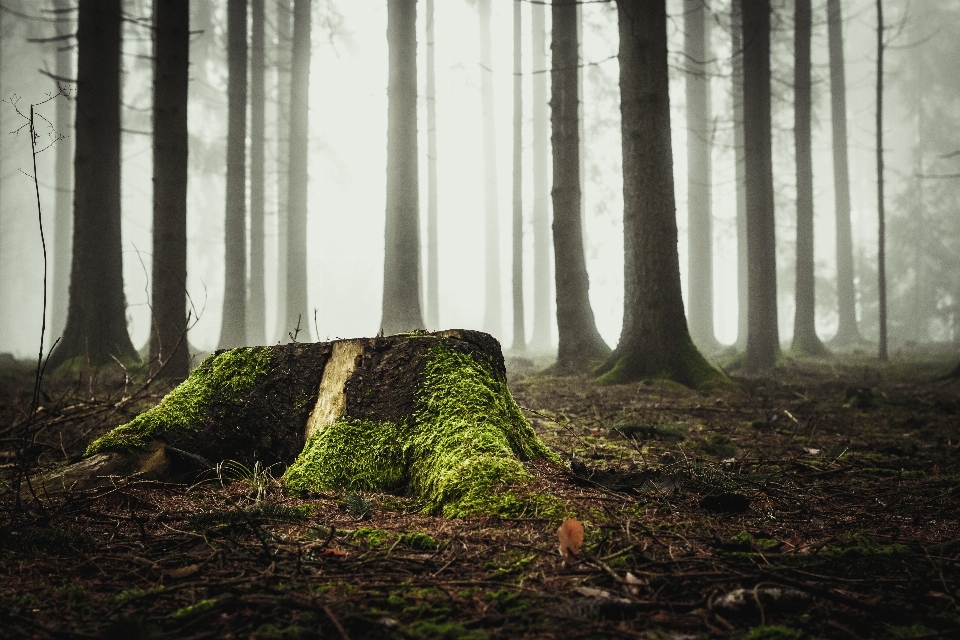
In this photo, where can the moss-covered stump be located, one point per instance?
(428, 414)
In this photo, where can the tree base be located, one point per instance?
(686, 365)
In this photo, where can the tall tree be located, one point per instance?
(401, 265)
(433, 262)
(881, 214)
(699, 137)
(298, 307)
(233, 329)
(96, 328)
(491, 217)
(763, 343)
(63, 171)
(580, 343)
(168, 334)
(284, 54)
(519, 333)
(654, 340)
(847, 331)
(256, 305)
(805, 338)
(540, 338)
(736, 28)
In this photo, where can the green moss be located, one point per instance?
(773, 633)
(419, 541)
(223, 377)
(442, 631)
(372, 537)
(462, 455)
(199, 607)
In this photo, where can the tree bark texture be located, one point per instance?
(492, 320)
(580, 342)
(540, 339)
(233, 328)
(805, 338)
(298, 306)
(401, 270)
(63, 212)
(654, 340)
(169, 347)
(736, 29)
(881, 214)
(699, 166)
(848, 331)
(257, 303)
(762, 333)
(96, 328)
(284, 53)
(519, 321)
(433, 259)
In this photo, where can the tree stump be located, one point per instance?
(427, 414)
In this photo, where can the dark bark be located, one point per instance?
(805, 338)
(580, 343)
(284, 53)
(298, 307)
(736, 28)
(654, 340)
(233, 328)
(63, 219)
(699, 137)
(168, 333)
(881, 216)
(519, 332)
(763, 343)
(401, 265)
(256, 305)
(847, 331)
(96, 328)
(540, 339)
(433, 262)
(491, 217)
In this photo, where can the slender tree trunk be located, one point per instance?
(519, 333)
(763, 343)
(805, 338)
(847, 331)
(63, 219)
(284, 18)
(540, 338)
(699, 133)
(401, 265)
(582, 129)
(491, 313)
(233, 331)
(298, 307)
(96, 329)
(168, 335)
(256, 305)
(881, 216)
(580, 343)
(433, 275)
(743, 300)
(654, 340)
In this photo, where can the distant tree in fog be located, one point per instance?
(540, 338)
(257, 304)
(401, 266)
(96, 327)
(168, 333)
(233, 331)
(743, 299)
(881, 215)
(433, 276)
(654, 340)
(63, 174)
(519, 333)
(581, 346)
(284, 54)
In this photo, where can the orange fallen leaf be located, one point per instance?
(337, 553)
(571, 539)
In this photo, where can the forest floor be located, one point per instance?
(822, 502)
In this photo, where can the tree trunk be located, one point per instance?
(881, 216)
(540, 339)
(699, 137)
(847, 331)
(581, 346)
(401, 265)
(519, 329)
(96, 329)
(63, 220)
(743, 302)
(284, 17)
(298, 306)
(805, 340)
(256, 305)
(491, 307)
(654, 340)
(763, 343)
(233, 328)
(168, 334)
(433, 262)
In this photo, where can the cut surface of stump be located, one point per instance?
(426, 414)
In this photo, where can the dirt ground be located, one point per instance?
(821, 502)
